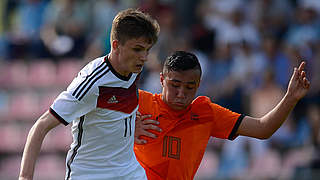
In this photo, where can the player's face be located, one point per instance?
(179, 87)
(132, 55)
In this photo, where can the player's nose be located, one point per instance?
(144, 56)
(181, 93)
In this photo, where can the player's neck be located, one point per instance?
(115, 63)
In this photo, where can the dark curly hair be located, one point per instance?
(181, 61)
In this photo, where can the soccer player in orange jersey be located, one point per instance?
(186, 123)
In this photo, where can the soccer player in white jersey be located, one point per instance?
(101, 104)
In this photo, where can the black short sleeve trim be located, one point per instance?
(59, 118)
(233, 134)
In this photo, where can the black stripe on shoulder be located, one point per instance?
(90, 79)
(75, 150)
(233, 134)
(59, 118)
(92, 82)
(102, 65)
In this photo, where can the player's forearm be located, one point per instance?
(274, 119)
(31, 151)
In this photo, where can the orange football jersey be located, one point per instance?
(178, 150)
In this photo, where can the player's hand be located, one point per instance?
(143, 124)
(299, 84)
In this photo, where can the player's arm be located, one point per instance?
(143, 124)
(265, 126)
(33, 144)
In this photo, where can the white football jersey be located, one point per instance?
(102, 105)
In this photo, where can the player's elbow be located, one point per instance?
(265, 131)
(264, 135)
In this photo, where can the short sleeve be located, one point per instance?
(226, 122)
(145, 102)
(79, 99)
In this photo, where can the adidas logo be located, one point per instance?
(112, 100)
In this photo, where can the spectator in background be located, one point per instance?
(170, 33)
(66, 26)
(150, 79)
(265, 162)
(252, 156)
(304, 31)
(303, 36)
(248, 67)
(239, 29)
(275, 58)
(230, 22)
(313, 116)
(223, 87)
(154, 7)
(271, 16)
(315, 91)
(102, 13)
(23, 35)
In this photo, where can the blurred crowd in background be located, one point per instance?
(247, 49)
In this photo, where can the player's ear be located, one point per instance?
(199, 83)
(115, 46)
(161, 79)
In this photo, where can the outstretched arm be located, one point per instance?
(33, 144)
(264, 127)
